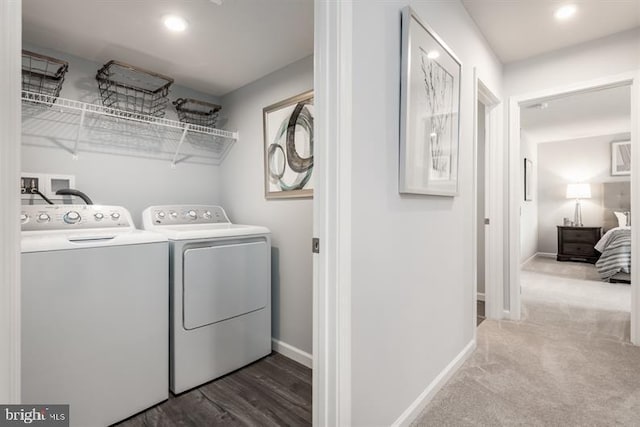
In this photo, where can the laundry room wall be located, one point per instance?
(132, 181)
(412, 255)
(290, 220)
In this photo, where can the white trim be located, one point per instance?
(494, 197)
(333, 79)
(414, 410)
(10, 133)
(526, 261)
(635, 207)
(480, 297)
(546, 254)
(624, 79)
(291, 352)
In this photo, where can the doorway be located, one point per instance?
(487, 293)
(516, 189)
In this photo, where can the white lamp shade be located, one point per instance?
(578, 191)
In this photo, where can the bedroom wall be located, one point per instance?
(563, 162)
(411, 275)
(131, 180)
(290, 220)
(529, 217)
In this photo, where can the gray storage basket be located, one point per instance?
(43, 74)
(197, 112)
(132, 89)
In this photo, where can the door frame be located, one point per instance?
(332, 214)
(10, 133)
(631, 79)
(493, 196)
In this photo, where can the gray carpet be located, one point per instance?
(526, 374)
(567, 363)
(568, 269)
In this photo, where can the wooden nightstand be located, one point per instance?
(576, 243)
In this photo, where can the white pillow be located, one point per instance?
(624, 218)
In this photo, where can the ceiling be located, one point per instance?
(224, 47)
(596, 113)
(519, 29)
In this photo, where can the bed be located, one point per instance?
(614, 264)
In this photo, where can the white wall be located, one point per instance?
(604, 57)
(563, 162)
(412, 280)
(529, 217)
(133, 182)
(290, 221)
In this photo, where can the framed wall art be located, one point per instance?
(429, 111)
(288, 147)
(621, 158)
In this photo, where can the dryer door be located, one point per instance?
(225, 281)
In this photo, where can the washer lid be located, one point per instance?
(37, 241)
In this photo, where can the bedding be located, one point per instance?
(615, 247)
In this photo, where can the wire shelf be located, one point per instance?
(132, 89)
(197, 112)
(72, 124)
(42, 74)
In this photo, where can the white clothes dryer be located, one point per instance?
(220, 292)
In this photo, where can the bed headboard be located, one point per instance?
(616, 197)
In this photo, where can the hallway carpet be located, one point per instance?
(568, 363)
(529, 374)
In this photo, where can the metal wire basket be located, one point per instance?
(197, 112)
(132, 89)
(42, 74)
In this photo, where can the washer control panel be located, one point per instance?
(63, 217)
(185, 214)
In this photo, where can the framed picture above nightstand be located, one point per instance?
(577, 243)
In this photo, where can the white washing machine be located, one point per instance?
(220, 292)
(94, 312)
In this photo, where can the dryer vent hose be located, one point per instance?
(72, 192)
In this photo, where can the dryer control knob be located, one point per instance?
(99, 216)
(43, 217)
(160, 215)
(192, 214)
(71, 217)
(173, 214)
(206, 215)
(115, 216)
(24, 218)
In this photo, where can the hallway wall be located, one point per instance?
(412, 279)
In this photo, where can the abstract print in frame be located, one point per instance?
(430, 105)
(288, 147)
(621, 158)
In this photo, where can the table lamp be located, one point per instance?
(578, 191)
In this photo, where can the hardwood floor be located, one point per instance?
(274, 391)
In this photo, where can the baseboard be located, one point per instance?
(546, 255)
(526, 261)
(292, 352)
(480, 296)
(412, 412)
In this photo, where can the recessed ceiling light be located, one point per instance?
(565, 12)
(174, 23)
(433, 54)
